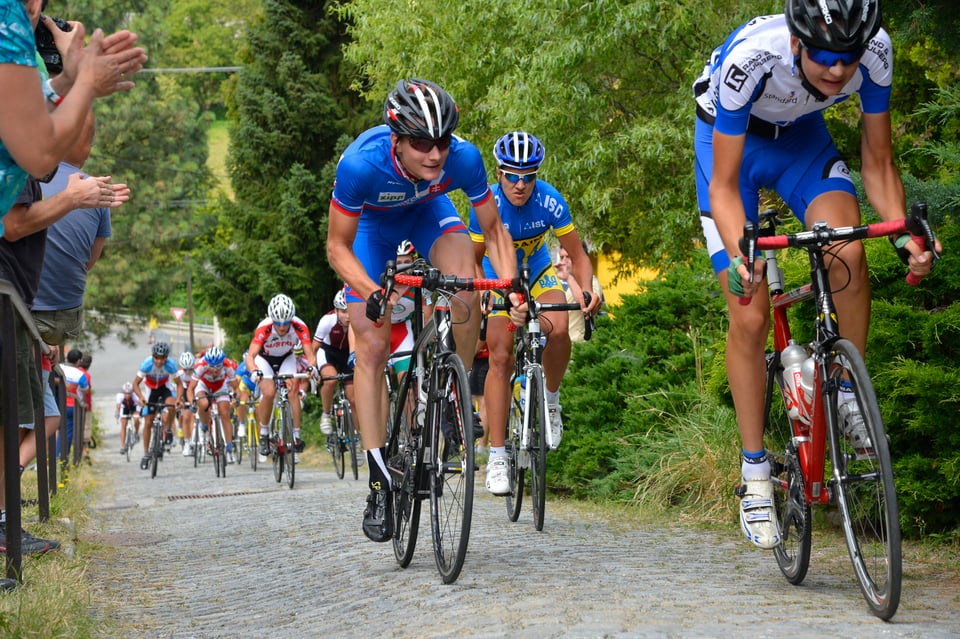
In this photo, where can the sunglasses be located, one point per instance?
(281, 323)
(513, 178)
(827, 58)
(425, 145)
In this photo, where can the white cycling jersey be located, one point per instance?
(755, 73)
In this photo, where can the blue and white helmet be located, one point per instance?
(518, 150)
(214, 356)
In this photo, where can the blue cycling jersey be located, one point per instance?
(370, 180)
(528, 225)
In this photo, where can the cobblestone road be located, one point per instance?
(187, 555)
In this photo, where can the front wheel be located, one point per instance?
(338, 444)
(515, 460)
(289, 446)
(253, 434)
(156, 446)
(451, 467)
(537, 407)
(864, 488)
(351, 429)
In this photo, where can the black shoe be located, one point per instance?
(298, 445)
(264, 445)
(477, 427)
(145, 462)
(168, 439)
(378, 516)
(29, 545)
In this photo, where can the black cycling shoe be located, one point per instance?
(264, 445)
(477, 427)
(298, 445)
(378, 516)
(145, 462)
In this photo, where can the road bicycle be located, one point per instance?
(528, 434)
(282, 442)
(216, 438)
(345, 438)
(813, 464)
(430, 450)
(156, 447)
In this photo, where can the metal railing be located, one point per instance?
(11, 303)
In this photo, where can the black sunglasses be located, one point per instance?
(425, 145)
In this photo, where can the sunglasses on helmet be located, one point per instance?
(425, 145)
(827, 58)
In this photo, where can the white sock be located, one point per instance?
(497, 451)
(755, 472)
(553, 397)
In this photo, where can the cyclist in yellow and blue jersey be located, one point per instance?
(529, 208)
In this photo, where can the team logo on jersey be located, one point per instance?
(837, 168)
(391, 197)
(735, 78)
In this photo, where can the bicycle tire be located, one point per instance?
(351, 429)
(515, 454)
(404, 459)
(155, 443)
(537, 402)
(276, 444)
(129, 441)
(239, 444)
(338, 445)
(254, 443)
(289, 446)
(451, 466)
(789, 496)
(865, 491)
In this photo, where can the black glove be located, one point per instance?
(373, 305)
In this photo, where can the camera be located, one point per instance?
(47, 47)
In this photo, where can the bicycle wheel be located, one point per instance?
(865, 492)
(451, 466)
(129, 441)
(351, 429)
(156, 442)
(253, 441)
(338, 446)
(289, 446)
(239, 444)
(404, 459)
(537, 406)
(789, 495)
(516, 456)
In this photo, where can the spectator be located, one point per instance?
(78, 387)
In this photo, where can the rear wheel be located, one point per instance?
(864, 488)
(537, 402)
(253, 434)
(451, 468)
(789, 495)
(515, 457)
(403, 459)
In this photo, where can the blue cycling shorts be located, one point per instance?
(802, 163)
(379, 233)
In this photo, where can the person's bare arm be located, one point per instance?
(81, 192)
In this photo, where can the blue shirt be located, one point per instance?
(69, 242)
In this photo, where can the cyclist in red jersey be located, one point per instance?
(332, 339)
(215, 378)
(272, 350)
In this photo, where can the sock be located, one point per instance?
(296, 433)
(379, 477)
(498, 451)
(553, 397)
(264, 429)
(755, 465)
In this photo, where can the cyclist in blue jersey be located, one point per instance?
(392, 184)
(529, 208)
(157, 372)
(760, 125)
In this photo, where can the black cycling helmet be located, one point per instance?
(420, 109)
(835, 25)
(161, 349)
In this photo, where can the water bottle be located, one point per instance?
(519, 388)
(807, 371)
(792, 359)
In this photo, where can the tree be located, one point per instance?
(289, 108)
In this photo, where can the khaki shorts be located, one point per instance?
(59, 327)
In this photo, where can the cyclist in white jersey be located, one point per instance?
(760, 125)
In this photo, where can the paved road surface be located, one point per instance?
(188, 555)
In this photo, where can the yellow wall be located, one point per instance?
(604, 268)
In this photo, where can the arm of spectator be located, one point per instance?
(81, 192)
(96, 251)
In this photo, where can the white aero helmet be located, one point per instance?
(281, 309)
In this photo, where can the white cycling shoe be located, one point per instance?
(758, 517)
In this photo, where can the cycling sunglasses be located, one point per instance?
(827, 58)
(513, 178)
(425, 145)
(287, 323)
